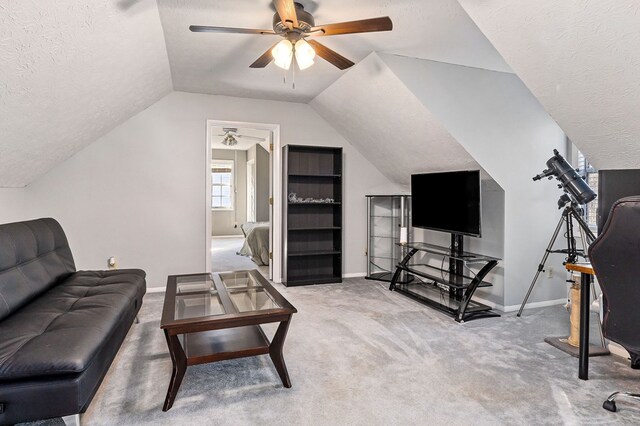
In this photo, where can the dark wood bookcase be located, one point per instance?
(313, 219)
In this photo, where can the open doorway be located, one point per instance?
(240, 186)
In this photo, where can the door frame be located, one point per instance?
(251, 192)
(275, 192)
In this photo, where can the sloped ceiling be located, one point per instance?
(219, 63)
(388, 124)
(70, 71)
(581, 60)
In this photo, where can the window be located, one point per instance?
(222, 185)
(590, 175)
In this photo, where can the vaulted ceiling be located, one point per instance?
(388, 124)
(581, 59)
(70, 71)
(219, 63)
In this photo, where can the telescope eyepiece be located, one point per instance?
(544, 174)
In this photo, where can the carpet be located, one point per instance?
(224, 255)
(359, 354)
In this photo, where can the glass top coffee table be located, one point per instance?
(214, 317)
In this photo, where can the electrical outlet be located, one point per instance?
(550, 272)
(112, 263)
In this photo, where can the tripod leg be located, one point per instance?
(542, 262)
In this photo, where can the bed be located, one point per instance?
(256, 242)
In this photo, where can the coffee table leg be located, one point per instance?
(179, 360)
(275, 352)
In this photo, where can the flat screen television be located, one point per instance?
(448, 202)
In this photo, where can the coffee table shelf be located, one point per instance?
(230, 343)
(208, 318)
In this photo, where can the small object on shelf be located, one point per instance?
(312, 215)
(388, 223)
(294, 199)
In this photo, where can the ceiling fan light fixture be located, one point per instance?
(229, 140)
(283, 54)
(304, 54)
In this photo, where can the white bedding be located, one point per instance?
(256, 242)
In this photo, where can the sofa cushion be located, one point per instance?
(34, 256)
(62, 330)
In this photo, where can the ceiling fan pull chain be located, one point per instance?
(293, 75)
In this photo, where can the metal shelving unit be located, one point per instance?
(386, 216)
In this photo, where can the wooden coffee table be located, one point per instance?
(213, 317)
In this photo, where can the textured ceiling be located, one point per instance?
(70, 71)
(581, 59)
(388, 124)
(219, 63)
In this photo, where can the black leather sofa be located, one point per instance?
(60, 329)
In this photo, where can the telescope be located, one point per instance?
(576, 192)
(576, 189)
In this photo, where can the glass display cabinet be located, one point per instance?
(388, 223)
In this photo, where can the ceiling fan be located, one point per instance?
(295, 24)
(230, 136)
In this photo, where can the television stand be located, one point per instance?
(449, 290)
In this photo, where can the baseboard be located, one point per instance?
(543, 304)
(155, 289)
(512, 308)
(355, 275)
(219, 237)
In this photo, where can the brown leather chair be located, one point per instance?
(615, 257)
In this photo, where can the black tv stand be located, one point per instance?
(448, 290)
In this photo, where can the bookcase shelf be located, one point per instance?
(313, 230)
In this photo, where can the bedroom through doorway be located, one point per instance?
(240, 190)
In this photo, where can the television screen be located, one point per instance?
(448, 202)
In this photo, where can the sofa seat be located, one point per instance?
(62, 331)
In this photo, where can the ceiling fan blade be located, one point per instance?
(330, 56)
(364, 26)
(229, 30)
(251, 138)
(287, 12)
(263, 60)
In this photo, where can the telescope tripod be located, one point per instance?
(569, 214)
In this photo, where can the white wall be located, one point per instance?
(12, 208)
(505, 129)
(225, 222)
(138, 193)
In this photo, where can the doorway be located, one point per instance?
(242, 190)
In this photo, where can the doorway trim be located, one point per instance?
(251, 190)
(275, 192)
